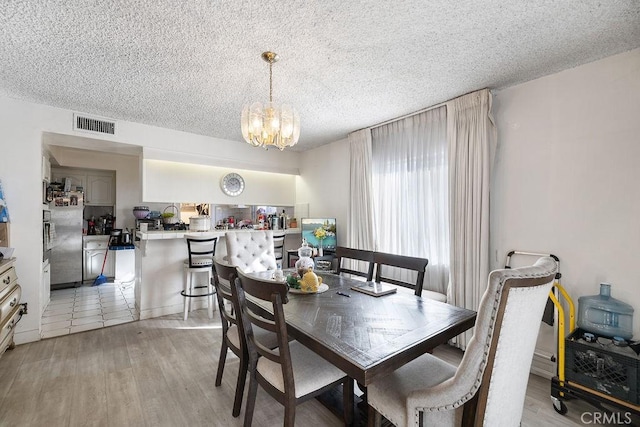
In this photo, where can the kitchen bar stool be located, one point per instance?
(201, 251)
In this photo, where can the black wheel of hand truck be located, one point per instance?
(560, 407)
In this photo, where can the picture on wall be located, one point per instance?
(320, 232)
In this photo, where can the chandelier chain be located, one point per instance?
(270, 81)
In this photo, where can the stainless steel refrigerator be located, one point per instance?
(66, 253)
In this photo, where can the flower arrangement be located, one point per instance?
(320, 233)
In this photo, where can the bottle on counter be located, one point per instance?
(282, 220)
(91, 225)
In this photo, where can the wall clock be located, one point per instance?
(232, 184)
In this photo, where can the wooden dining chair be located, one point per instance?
(290, 373)
(488, 387)
(344, 255)
(387, 266)
(233, 337)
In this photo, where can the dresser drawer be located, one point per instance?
(10, 302)
(6, 329)
(7, 277)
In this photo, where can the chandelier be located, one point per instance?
(272, 125)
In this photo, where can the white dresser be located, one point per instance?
(10, 308)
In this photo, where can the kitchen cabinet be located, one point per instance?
(100, 190)
(99, 186)
(94, 248)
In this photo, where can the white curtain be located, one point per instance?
(410, 201)
(471, 134)
(361, 219)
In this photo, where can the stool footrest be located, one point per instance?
(184, 294)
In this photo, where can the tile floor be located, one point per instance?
(88, 307)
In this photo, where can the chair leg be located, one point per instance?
(290, 413)
(187, 287)
(221, 361)
(251, 401)
(210, 297)
(347, 401)
(242, 378)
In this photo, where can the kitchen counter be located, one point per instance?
(93, 237)
(159, 258)
(179, 234)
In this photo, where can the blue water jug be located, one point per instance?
(604, 315)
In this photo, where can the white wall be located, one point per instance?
(566, 177)
(188, 183)
(23, 125)
(324, 184)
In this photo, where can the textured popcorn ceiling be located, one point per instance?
(192, 65)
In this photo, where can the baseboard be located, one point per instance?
(543, 366)
(25, 337)
(171, 309)
(160, 311)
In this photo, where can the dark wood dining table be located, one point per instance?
(366, 336)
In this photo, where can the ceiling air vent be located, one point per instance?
(93, 125)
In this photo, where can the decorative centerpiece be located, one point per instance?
(310, 282)
(304, 265)
(304, 262)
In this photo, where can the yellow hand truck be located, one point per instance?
(608, 372)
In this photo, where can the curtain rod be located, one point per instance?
(433, 107)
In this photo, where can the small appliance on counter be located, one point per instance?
(199, 223)
(120, 239)
(151, 224)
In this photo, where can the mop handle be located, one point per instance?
(104, 261)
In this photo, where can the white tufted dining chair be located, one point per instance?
(488, 387)
(251, 251)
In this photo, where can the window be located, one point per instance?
(410, 191)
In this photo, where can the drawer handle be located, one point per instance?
(11, 324)
(6, 280)
(14, 302)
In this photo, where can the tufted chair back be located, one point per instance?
(488, 387)
(251, 251)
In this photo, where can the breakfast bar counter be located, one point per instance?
(159, 258)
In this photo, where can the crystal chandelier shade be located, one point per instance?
(270, 125)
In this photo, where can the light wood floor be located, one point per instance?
(161, 372)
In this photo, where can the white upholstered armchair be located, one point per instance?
(488, 387)
(251, 250)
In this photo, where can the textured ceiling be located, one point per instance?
(192, 65)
